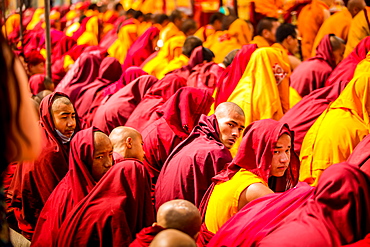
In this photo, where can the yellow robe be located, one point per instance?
(268, 7)
(338, 130)
(224, 200)
(358, 30)
(263, 90)
(176, 63)
(337, 24)
(11, 24)
(260, 41)
(90, 36)
(169, 31)
(204, 32)
(36, 18)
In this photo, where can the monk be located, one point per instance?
(35, 63)
(177, 214)
(39, 83)
(343, 123)
(90, 158)
(172, 238)
(173, 28)
(312, 73)
(339, 23)
(215, 24)
(266, 30)
(33, 182)
(310, 19)
(117, 208)
(200, 156)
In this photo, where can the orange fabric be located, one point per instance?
(169, 31)
(36, 18)
(174, 64)
(268, 7)
(143, 27)
(204, 32)
(90, 36)
(11, 24)
(310, 20)
(260, 41)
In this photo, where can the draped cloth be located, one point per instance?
(77, 183)
(114, 211)
(33, 182)
(36, 83)
(188, 171)
(118, 108)
(146, 236)
(205, 76)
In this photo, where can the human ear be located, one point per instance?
(129, 142)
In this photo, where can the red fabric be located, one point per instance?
(31, 40)
(336, 215)
(115, 210)
(229, 80)
(188, 171)
(34, 58)
(81, 29)
(109, 72)
(82, 73)
(55, 36)
(118, 108)
(252, 223)
(154, 54)
(64, 45)
(77, 183)
(111, 35)
(76, 51)
(206, 76)
(180, 114)
(312, 73)
(360, 155)
(146, 236)
(141, 49)
(345, 69)
(145, 113)
(195, 59)
(36, 83)
(362, 243)
(33, 182)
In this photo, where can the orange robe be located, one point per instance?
(260, 41)
(204, 32)
(337, 24)
(310, 20)
(11, 24)
(268, 8)
(169, 31)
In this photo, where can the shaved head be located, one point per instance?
(60, 100)
(172, 238)
(225, 108)
(128, 142)
(355, 6)
(181, 215)
(336, 42)
(122, 133)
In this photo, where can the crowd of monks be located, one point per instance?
(156, 131)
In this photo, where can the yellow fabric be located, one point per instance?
(35, 18)
(67, 62)
(206, 31)
(358, 30)
(71, 15)
(91, 12)
(176, 63)
(224, 200)
(268, 8)
(260, 41)
(294, 97)
(90, 36)
(151, 6)
(11, 23)
(43, 52)
(143, 27)
(72, 28)
(338, 130)
(263, 90)
(241, 31)
(337, 24)
(170, 50)
(127, 35)
(363, 66)
(169, 31)
(212, 39)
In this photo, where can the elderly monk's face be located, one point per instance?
(281, 156)
(137, 150)
(64, 117)
(103, 156)
(231, 126)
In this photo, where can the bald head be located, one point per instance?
(226, 108)
(128, 142)
(355, 6)
(60, 100)
(181, 215)
(338, 47)
(172, 238)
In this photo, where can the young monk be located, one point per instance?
(176, 214)
(172, 238)
(266, 30)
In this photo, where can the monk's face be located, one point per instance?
(64, 117)
(231, 126)
(103, 156)
(36, 69)
(137, 150)
(281, 156)
(338, 54)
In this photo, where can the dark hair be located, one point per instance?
(93, 7)
(230, 57)
(176, 14)
(215, 17)
(117, 5)
(208, 55)
(265, 23)
(285, 30)
(190, 44)
(148, 17)
(160, 18)
(138, 14)
(227, 21)
(130, 12)
(188, 25)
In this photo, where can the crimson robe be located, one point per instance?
(64, 45)
(312, 73)
(180, 114)
(360, 155)
(188, 171)
(36, 83)
(205, 76)
(118, 108)
(77, 183)
(145, 113)
(146, 236)
(114, 211)
(33, 182)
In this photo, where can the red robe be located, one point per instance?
(70, 191)
(180, 114)
(188, 171)
(118, 108)
(33, 182)
(312, 73)
(64, 45)
(36, 83)
(146, 236)
(145, 113)
(114, 211)
(205, 75)
(360, 155)
(336, 215)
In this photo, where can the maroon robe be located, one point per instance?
(114, 211)
(360, 155)
(33, 182)
(118, 108)
(196, 57)
(64, 45)
(77, 183)
(312, 73)
(146, 236)
(338, 213)
(180, 114)
(141, 49)
(188, 171)
(145, 113)
(36, 83)
(206, 76)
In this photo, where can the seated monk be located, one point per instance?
(215, 24)
(176, 214)
(338, 130)
(312, 73)
(266, 30)
(188, 171)
(173, 28)
(90, 158)
(172, 238)
(119, 206)
(33, 182)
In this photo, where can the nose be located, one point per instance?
(236, 132)
(284, 158)
(70, 122)
(108, 162)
